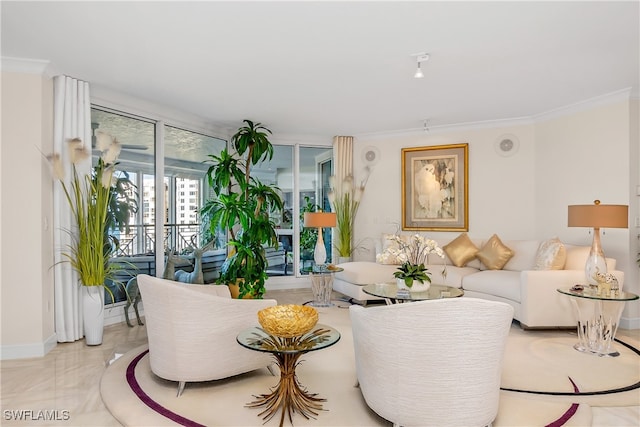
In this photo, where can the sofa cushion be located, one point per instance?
(551, 255)
(524, 254)
(452, 277)
(500, 283)
(461, 250)
(364, 272)
(494, 254)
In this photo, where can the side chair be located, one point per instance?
(432, 363)
(192, 331)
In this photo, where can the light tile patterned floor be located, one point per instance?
(67, 379)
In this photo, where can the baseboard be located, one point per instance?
(25, 351)
(629, 323)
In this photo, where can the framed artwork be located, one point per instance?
(435, 188)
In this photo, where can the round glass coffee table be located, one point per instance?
(389, 291)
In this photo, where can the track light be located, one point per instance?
(420, 58)
(418, 74)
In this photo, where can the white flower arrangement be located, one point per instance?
(415, 250)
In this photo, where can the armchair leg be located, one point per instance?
(181, 386)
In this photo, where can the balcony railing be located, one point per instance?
(141, 238)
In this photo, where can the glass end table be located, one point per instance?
(598, 317)
(322, 284)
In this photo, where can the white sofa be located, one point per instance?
(532, 293)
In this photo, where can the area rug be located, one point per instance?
(545, 382)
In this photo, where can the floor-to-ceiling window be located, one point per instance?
(182, 183)
(158, 154)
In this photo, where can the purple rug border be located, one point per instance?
(147, 400)
(570, 412)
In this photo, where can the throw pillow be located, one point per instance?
(460, 250)
(494, 254)
(551, 255)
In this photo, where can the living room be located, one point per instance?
(571, 149)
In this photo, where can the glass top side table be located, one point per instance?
(322, 284)
(289, 395)
(389, 291)
(598, 316)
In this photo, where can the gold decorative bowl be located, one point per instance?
(288, 321)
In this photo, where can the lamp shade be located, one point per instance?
(599, 216)
(319, 219)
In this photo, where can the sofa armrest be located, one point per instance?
(542, 306)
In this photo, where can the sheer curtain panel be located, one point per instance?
(343, 152)
(72, 119)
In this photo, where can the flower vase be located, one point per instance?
(416, 287)
(93, 314)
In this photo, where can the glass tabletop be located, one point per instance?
(256, 338)
(592, 293)
(390, 290)
(322, 269)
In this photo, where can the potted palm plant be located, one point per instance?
(241, 208)
(98, 202)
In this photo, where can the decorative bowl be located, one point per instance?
(288, 321)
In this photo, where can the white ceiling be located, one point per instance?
(338, 68)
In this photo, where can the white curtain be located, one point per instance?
(343, 153)
(72, 119)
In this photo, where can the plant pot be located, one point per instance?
(234, 289)
(93, 314)
(343, 259)
(416, 287)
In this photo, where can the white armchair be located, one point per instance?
(432, 363)
(192, 331)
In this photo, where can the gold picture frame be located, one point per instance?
(435, 188)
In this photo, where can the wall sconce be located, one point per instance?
(597, 216)
(320, 220)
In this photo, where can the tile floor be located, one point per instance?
(67, 379)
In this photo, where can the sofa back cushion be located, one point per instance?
(524, 254)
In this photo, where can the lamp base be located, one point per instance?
(320, 252)
(596, 262)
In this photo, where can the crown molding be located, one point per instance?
(447, 128)
(588, 104)
(26, 66)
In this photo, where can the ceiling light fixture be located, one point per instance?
(420, 58)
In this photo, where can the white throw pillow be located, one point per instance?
(551, 255)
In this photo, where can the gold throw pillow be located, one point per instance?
(494, 254)
(460, 250)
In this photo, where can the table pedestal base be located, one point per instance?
(597, 325)
(289, 395)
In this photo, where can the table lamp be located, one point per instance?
(319, 220)
(597, 216)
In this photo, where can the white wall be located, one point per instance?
(26, 281)
(582, 157)
(500, 188)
